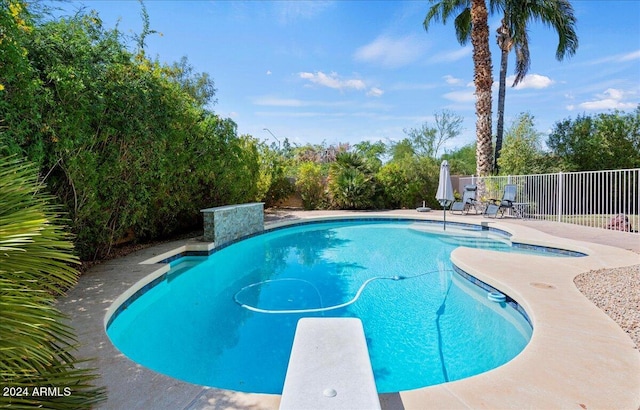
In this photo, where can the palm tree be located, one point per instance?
(36, 266)
(513, 34)
(351, 182)
(471, 23)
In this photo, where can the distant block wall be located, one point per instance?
(227, 223)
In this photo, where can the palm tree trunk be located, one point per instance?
(504, 41)
(483, 80)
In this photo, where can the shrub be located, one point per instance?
(409, 181)
(351, 184)
(126, 144)
(35, 267)
(310, 185)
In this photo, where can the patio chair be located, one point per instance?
(496, 206)
(468, 201)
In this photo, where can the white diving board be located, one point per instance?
(329, 367)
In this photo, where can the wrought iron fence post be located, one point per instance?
(560, 195)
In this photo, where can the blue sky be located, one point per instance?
(348, 71)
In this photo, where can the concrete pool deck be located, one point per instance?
(577, 357)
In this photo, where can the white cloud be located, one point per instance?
(452, 80)
(402, 86)
(452, 56)
(289, 11)
(614, 93)
(535, 81)
(635, 55)
(333, 81)
(375, 92)
(268, 72)
(610, 99)
(391, 52)
(278, 102)
(461, 96)
(271, 101)
(617, 58)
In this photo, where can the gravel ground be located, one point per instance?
(617, 293)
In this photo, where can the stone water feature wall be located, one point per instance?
(224, 224)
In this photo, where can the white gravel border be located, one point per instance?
(617, 293)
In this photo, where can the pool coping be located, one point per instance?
(601, 371)
(205, 249)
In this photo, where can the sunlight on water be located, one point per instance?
(431, 326)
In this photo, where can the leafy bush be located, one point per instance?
(409, 181)
(351, 184)
(604, 141)
(351, 189)
(310, 185)
(463, 160)
(395, 184)
(522, 152)
(273, 183)
(124, 142)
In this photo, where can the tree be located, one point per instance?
(522, 148)
(471, 23)
(19, 83)
(351, 183)
(514, 34)
(402, 149)
(428, 140)
(310, 185)
(463, 160)
(36, 266)
(125, 144)
(372, 152)
(448, 126)
(273, 183)
(606, 141)
(408, 182)
(422, 140)
(199, 85)
(483, 79)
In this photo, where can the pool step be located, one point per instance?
(472, 240)
(329, 367)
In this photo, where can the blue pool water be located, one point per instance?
(228, 320)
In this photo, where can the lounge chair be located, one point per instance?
(468, 201)
(499, 206)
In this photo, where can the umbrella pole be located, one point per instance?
(445, 216)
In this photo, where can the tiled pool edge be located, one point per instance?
(488, 288)
(131, 386)
(476, 227)
(187, 251)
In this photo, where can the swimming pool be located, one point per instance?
(196, 324)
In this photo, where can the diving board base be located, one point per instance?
(329, 367)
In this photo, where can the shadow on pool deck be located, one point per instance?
(610, 377)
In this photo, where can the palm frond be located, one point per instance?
(462, 24)
(441, 11)
(36, 265)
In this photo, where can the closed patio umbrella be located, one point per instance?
(444, 195)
